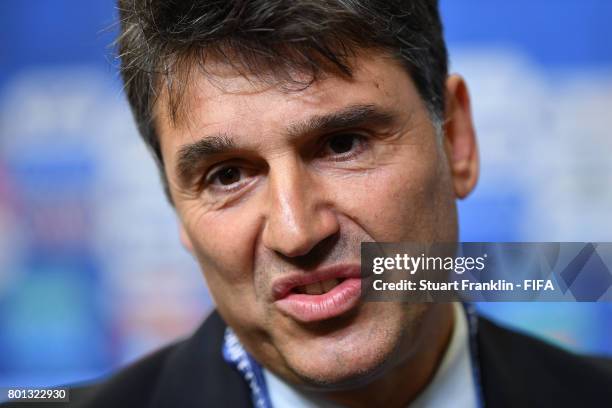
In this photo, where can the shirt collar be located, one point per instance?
(453, 384)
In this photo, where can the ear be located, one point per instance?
(185, 240)
(460, 137)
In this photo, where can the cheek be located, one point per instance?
(223, 245)
(400, 201)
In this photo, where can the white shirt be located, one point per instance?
(452, 385)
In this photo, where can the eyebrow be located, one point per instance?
(191, 157)
(348, 117)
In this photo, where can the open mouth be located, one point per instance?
(318, 288)
(318, 295)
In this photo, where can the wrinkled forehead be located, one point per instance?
(192, 83)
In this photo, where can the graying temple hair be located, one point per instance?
(162, 40)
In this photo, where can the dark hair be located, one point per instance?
(162, 40)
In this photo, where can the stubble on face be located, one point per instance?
(397, 191)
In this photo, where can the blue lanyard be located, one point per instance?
(236, 355)
(251, 371)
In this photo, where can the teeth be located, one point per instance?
(329, 284)
(313, 289)
(318, 288)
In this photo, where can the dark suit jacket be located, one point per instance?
(516, 371)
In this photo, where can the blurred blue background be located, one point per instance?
(91, 272)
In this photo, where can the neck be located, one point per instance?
(404, 382)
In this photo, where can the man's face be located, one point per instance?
(277, 188)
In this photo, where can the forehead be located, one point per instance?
(222, 100)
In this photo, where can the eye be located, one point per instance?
(226, 177)
(344, 145)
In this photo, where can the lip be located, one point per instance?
(310, 308)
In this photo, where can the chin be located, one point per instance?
(344, 374)
(353, 356)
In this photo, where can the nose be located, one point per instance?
(299, 213)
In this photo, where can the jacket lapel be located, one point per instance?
(502, 384)
(195, 374)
